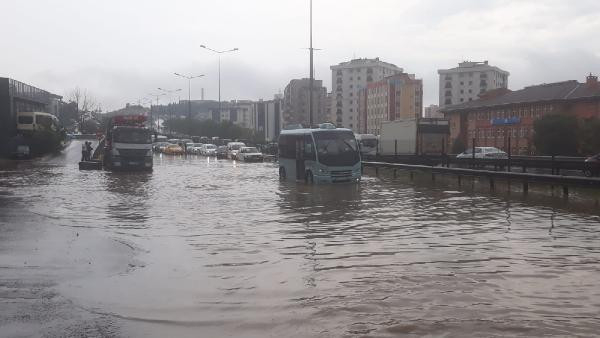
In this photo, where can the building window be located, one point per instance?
(339, 72)
(448, 77)
(448, 84)
(448, 93)
(462, 91)
(448, 101)
(462, 100)
(462, 83)
(351, 86)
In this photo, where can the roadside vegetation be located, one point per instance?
(562, 134)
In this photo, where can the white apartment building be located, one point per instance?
(347, 79)
(267, 118)
(465, 82)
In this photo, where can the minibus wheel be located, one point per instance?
(282, 173)
(309, 177)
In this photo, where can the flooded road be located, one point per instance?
(214, 248)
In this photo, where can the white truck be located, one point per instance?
(422, 136)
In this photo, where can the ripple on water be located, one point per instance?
(382, 258)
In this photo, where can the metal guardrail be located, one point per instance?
(525, 178)
(555, 164)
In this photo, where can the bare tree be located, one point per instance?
(85, 102)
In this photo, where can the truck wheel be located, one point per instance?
(588, 173)
(282, 173)
(309, 177)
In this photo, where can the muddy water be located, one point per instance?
(214, 248)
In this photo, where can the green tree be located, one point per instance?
(556, 134)
(210, 128)
(589, 136)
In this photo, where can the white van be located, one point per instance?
(36, 121)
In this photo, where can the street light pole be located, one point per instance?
(189, 78)
(170, 93)
(151, 117)
(219, 52)
(311, 80)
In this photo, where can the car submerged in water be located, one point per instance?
(592, 166)
(249, 154)
(483, 153)
(221, 152)
(173, 149)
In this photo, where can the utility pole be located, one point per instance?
(157, 96)
(170, 93)
(311, 80)
(189, 78)
(219, 52)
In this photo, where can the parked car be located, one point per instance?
(173, 149)
(592, 166)
(233, 148)
(193, 148)
(249, 154)
(221, 152)
(483, 152)
(208, 150)
(189, 147)
(159, 146)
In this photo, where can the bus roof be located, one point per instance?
(311, 130)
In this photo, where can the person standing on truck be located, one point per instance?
(89, 149)
(83, 151)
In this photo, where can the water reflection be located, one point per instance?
(383, 257)
(128, 198)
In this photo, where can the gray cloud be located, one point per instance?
(121, 51)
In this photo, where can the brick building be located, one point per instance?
(501, 114)
(394, 97)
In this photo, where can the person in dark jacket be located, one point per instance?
(88, 148)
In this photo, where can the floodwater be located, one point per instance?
(206, 248)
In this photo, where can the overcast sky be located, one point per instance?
(123, 50)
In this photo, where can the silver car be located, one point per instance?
(483, 152)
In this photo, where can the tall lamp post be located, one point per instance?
(312, 76)
(219, 52)
(189, 78)
(156, 96)
(170, 93)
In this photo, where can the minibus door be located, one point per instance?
(300, 168)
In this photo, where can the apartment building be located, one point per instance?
(296, 102)
(395, 97)
(467, 81)
(348, 78)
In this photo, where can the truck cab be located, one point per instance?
(128, 144)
